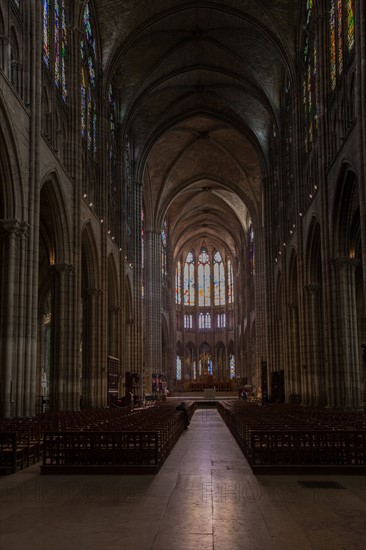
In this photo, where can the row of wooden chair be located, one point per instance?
(281, 435)
(137, 443)
(22, 440)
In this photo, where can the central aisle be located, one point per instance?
(205, 497)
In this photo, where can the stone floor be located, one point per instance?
(204, 497)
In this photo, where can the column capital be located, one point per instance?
(344, 262)
(312, 289)
(14, 227)
(114, 309)
(63, 268)
(94, 292)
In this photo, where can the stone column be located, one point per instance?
(62, 390)
(315, 367)
(136, 331)
(293, 382)
(12, 239)
(98, 363)
(152, 299)
(360, 50)
(260, 305)
(113, 330)
(347, 364)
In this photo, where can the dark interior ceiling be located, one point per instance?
(201, 85)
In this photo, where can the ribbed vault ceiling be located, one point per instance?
(201, 85)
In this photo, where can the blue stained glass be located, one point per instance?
(91, 71)
(89, 114)
(83, 103)
(112, 109)
(82, 50)
(210, 367)
(88, 28)
(94, 131)
(63, 51)
(46, 32)
(232, 367)
(87, 52)
(57, 42)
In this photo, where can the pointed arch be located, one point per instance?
(90, 258)
(313, 254)
(113, 288)
(346, 212)
(55, 216)
(12, 204)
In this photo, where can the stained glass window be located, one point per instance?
(230, 283)
(350, 24)
(316, 84)
(178, 288)
(208, 320)
(63, 52)
(46, 32)
(310, 82)
(341, 36)
(210, 367)
(251, 250)
(204, 279)
(55, 41)
(188, 284)
(83, 102)
(88, 58)
(112, 139)
(333, 55)
(112, 111)
(309, 8)
(163, 248)
(204, 320)
(194, 370)
(232, 367)
(219, 280)
(178, 368)
(221, 320)
(188, 320)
